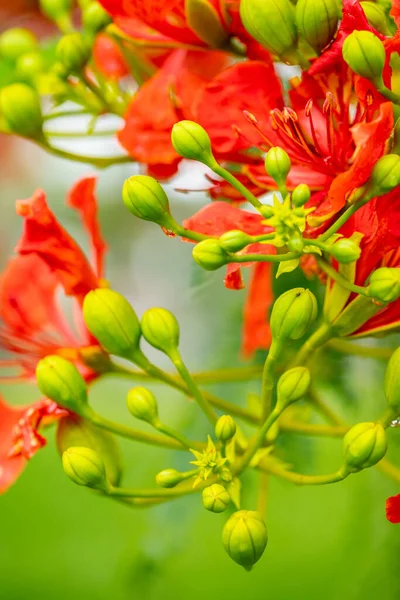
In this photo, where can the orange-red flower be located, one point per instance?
(33, 323)
(393, 509)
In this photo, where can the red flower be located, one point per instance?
(217, 218)
(108, 57)
(33, 324)
(393, 509)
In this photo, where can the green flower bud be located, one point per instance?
(293, 313)
(95, 18)
(15, 42)
(385, 175)
(191, 140)
(292, 386)
(161, 329)
(85, 467)
(142, 405)
(392, 382)
(112, 321)
(225, 475)
(60, 381)
(376, 17)
(77, 431)
(215, 498)
(233, 241)
(144, 197)
(365, 54)
(169, 478)
(271, 23)
(364, 446)
(204, 20)
(278, 165)
(73, 52)
(55, 9)
(384, 284)
(301, 195)
(20, 107)
(245, 537)
(345, 250)
(210, 255)
(317, 21)
(30, 65)
(225, 428)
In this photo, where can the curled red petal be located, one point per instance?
(393, 509)
(218, 217)
(256, 329)
(10, 467)
(108, 57)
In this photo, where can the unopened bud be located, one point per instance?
(144, 197)
(225, 428)
(376, 17)
(233, 241)
(292, 386)
(191, 140)
(278, 165)
(30, 65)
(317, 21)
(73, 52)
(271, 23)
(225, 475)
(210, 255)
(142, 405)
(60, 381)
(364, 446)
(85, 467)
(21, 110)
(384, 284)
(301, 195)
(161, 330)
(55, 9)
(365, 54)
(16, 42)
(95, 18)
(245, 537)
(392, 382)
(345, 250)
(215, 498)
(385, 175)
(293, 313)
(204, 20)
(112, 321)
(169, 478)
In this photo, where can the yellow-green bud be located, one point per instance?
(392, 382)
(364, 446)
(112, 321)
(271, 23)
(245, 537)
(85, 467)
(21, 110)
(225, 428)
(204, 20)
(142, 405)
(169, 478)
(55, 9)
(317, 21)
(144, 197)
(73, 52)
(385, 175)
(15, 42)
(301, 195)
(225, 475)
(292, 386)
(161, 329)
(215, 498)
(365, 54)
(278, 165)
(345, 250)
(233, 241)
(293, 313)
(191, 140)
(376, 17)
(384, 284)
(60, 381)
(210, 255)
(30, 65)
(95, 18)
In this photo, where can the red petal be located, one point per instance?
(256, 331)
(44, 236)
(218, 217)
(83, 199)
(10, 468)
(108, 57)
(395, 11)
(393, 509)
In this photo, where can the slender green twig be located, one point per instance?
(338, 277)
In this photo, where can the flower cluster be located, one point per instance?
(291, 109)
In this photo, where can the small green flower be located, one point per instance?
(209, 461)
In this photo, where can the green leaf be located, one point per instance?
(287, 266)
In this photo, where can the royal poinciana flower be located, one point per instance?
(393, 509)
(33, 325)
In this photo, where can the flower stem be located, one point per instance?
(333, 274)
(357, 350)
(268, 378)
(100, 162)
(275, 258)
(236, 184)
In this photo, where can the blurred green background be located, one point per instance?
(62, 542)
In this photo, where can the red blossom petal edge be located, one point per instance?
(393, 509)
